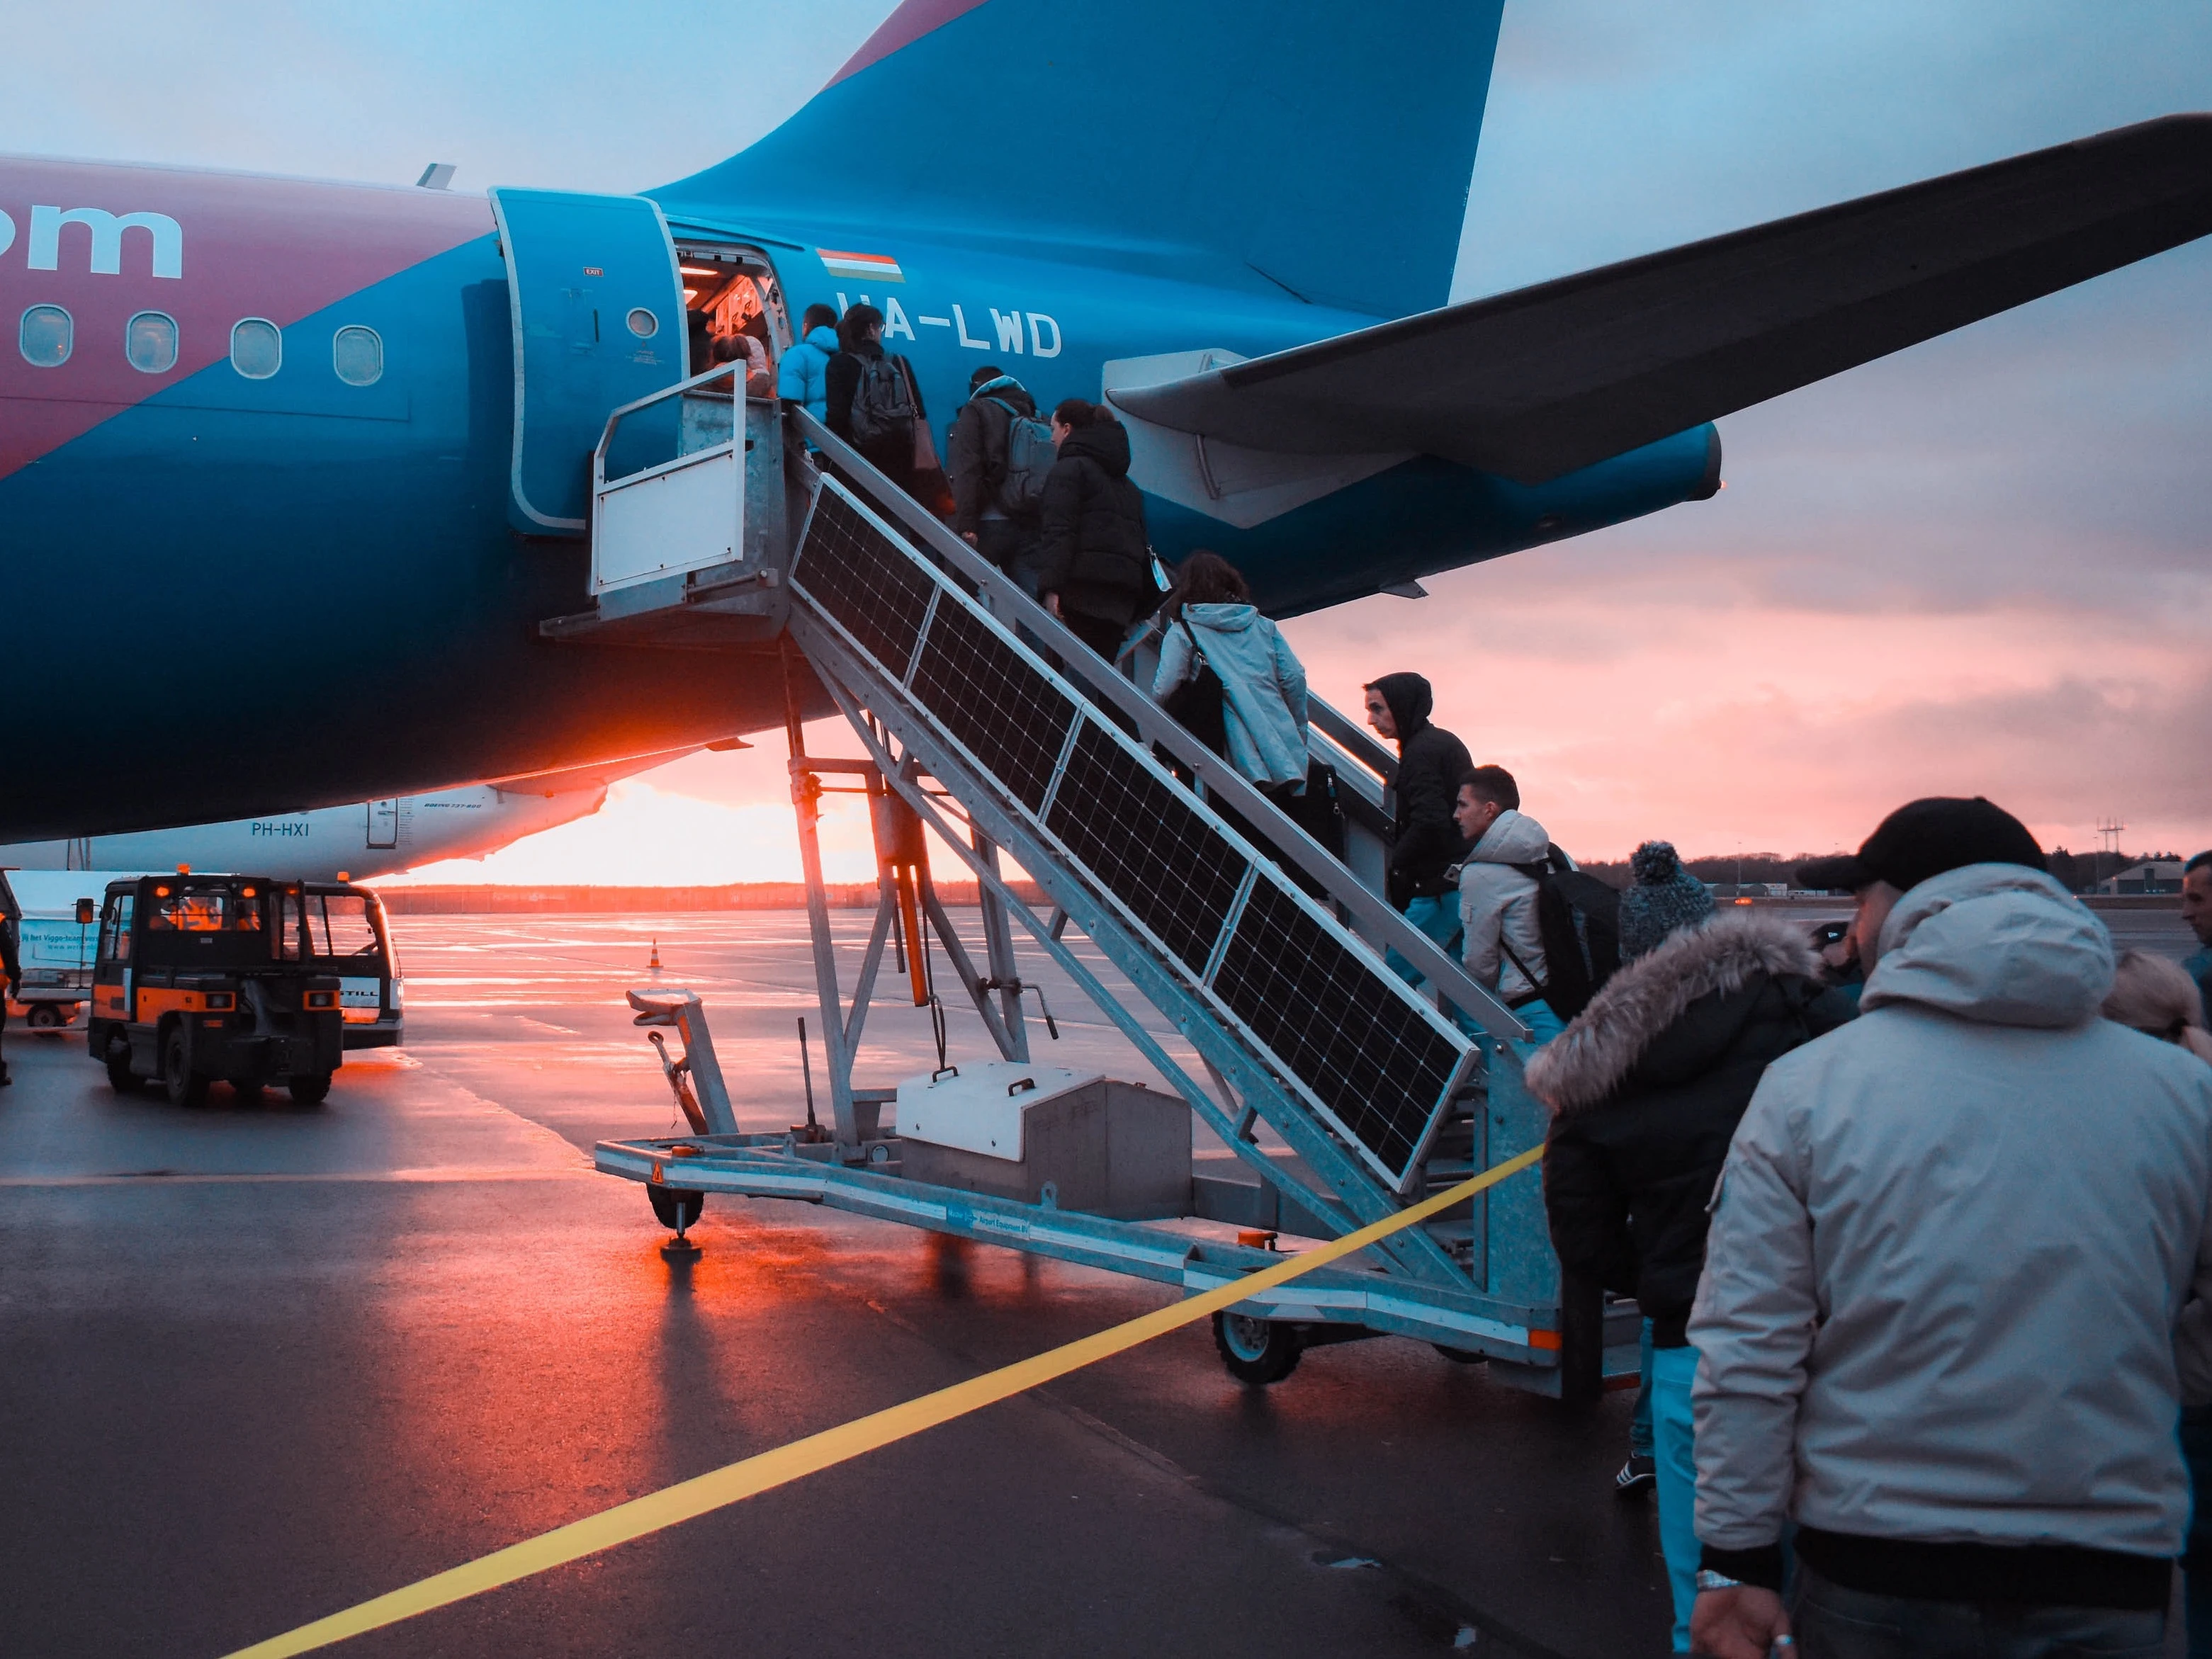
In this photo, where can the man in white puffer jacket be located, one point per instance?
(1501, 942)
(1953, 1290)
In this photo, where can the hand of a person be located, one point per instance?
(968, 536)
(1052, 602)
(1743, 1623)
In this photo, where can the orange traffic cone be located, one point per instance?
(655, 964)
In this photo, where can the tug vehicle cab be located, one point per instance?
(197, 978)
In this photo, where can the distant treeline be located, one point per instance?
(651, 901)
(2079, 872)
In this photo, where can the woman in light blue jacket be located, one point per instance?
(1210, 613)
(802, 376)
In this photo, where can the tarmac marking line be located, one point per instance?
(765, 1471)
(187, 1178)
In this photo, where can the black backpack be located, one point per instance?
(883, 404)
(1578, 918)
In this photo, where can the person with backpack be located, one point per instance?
(1645, 1088)
(1501, 931)
(1095, 565)
(1425, 843)
(1001, 455)
(871, 399)
(802, 377)
(1210, 624)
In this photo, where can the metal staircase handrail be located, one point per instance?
(1078, 662)
(1351, 739)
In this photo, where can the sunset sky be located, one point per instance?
(1981, 566)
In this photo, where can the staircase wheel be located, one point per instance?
(1460, 1356)
(675, 1207)
(1257, 1351)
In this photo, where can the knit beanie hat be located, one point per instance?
(1665, 896)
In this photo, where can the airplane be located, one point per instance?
(354, 843)
(309, 461)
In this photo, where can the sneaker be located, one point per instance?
(1637, 1475)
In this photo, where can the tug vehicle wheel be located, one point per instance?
(120, 1077)
(675, 1207)
(1257, 1351)
(311, 1090)
(184, 1088)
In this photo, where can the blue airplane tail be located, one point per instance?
(1297, 145)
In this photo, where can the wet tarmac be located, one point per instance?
(257, 1364)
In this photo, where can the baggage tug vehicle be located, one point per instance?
(200, 978)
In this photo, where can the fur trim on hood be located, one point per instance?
(1583, 1067)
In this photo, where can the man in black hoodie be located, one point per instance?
(1094, 567)
(1424, 841)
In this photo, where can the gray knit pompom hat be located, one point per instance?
(1664, 896)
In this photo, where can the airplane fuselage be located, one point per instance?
(256, 440)
(354, 843)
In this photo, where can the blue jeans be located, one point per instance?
(1439, 918)
(2196, 1560)
(1831, 1622)
(1543, 1025)
(1639, 1426)
(1673, 1372)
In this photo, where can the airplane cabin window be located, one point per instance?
(45, 336)
(357, 354)
(149, 341)
(257, 348)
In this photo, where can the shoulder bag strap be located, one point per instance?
(1514, 957)
(1197, 651)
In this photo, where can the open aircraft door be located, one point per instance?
(597, 308)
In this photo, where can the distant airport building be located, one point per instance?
(2151, 876)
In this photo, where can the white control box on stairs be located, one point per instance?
(1010, 1128)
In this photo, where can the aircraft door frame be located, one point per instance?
(584, 272)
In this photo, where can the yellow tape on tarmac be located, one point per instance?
(770, 1469)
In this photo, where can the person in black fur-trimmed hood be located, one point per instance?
(1646, 1086)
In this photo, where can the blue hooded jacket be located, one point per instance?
(802, 377)
(1263, 687)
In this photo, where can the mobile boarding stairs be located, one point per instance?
(983, 720)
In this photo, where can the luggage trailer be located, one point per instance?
(983, 722)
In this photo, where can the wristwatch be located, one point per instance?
(1710, 1580)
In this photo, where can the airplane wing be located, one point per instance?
(1542, 380)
